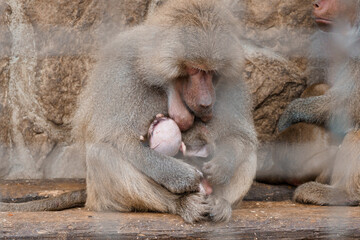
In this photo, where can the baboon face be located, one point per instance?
(329, 12)
(198, 92)
(202, 49)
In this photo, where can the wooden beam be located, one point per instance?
(267, 213)
(255, 220)
(27, 190)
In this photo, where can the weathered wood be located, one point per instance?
(27, 190)
(265, 192)
(255, 219)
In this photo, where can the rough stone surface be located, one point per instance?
(5, 109)
(47, 51)
(278, 71)
(274, 83)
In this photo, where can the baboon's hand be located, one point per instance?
(290, 115)
(184, 181)
(218, 171)
(285, 120)
(198, 135)
(194, 208)
(310, 110)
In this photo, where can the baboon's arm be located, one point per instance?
(311, 110)
(231, 152)
(175, 175)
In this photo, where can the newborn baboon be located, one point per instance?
(338, 108)
(164, 136)
(185, 50)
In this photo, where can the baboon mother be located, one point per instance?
(178, 62)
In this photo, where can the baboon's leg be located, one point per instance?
(130, 190)
(228, 196)
(344, 188)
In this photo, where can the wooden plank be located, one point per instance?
(255, 220)
(259, 217)
(27, 190)
(266, 192)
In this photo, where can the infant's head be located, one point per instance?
(165, 136)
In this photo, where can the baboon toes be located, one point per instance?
(198, 207)
(322, 194)
(194, 208)
(220, 209)
(309, 193)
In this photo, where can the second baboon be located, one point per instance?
(338, 108)
(303, 152)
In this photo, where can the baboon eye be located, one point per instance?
(215, 78)
(192, 71)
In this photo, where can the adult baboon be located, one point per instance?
(186, 49)
(178, 62)
(338, 108)
(303, 152)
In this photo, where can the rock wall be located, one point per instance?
(47, 50)
(46, 53)
(278, 71)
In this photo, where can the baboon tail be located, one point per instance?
(321, 194)
(61, 202)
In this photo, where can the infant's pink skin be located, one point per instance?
(165, 136)
(205, 187)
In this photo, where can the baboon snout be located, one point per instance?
(206, 101)
(199, 93)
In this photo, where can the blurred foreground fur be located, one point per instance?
(338, 109)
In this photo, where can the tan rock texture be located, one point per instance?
(278, 71)
(47, 50)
